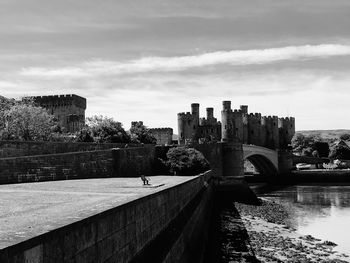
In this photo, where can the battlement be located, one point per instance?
(60, 100)
(237, 125)
(166, 129)
(185, 116)
(287, 119)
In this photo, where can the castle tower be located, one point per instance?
(254, 129)
(210, 114)
(69, 110)
(286, 128)
(244, 110)
(226, 122)
(195, 113)
(272, 132)
(188, 124)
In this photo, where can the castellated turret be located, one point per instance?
(69, 110)
(255, 129)
(237, 126)
(272, 134)
(194, 129)
(286, 128)
(232, 123)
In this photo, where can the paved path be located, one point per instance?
(31, 209)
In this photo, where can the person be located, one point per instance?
(144, 179)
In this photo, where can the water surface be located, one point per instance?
(320, 211)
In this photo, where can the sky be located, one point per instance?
(150, 59)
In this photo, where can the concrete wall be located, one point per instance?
(23, 148)
(90, 164)
(162, 227)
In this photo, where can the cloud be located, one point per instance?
(182, 63)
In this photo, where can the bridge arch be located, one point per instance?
(264, 159)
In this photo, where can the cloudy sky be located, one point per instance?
(150, 59)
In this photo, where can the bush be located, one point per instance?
(185, 161)
(84, 135)
(106, 130)
(140, 134)
(345, 137)
(340, 151)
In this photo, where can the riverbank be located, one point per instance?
(274, 240)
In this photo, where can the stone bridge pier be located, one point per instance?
(269, 162)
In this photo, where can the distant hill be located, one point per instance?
(325, 134)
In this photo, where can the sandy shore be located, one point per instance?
(274, 241)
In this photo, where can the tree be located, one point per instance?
(84, 135)
(105, 129)
(5, 105)
(185, 161)
(24, 121)
(307, 144)
(322, 148)
(307, 151)
(340, 151)
(345, 137)
(140, 134)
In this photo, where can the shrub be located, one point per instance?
(185, 161)
(345, 137)
(340, 151)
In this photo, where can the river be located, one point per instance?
(322, 211)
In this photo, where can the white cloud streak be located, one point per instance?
(172, 64)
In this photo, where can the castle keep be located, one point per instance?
(164, 136)
(237, 126)
(193, 128)
(69, 110)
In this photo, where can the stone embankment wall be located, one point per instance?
(116, 162)
(23, 148)
(167, 226)
(78, 165)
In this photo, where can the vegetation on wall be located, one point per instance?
(140, 134)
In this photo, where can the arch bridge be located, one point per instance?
(264, 159)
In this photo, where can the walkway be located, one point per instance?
(28, 210)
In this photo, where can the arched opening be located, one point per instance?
(258, 168)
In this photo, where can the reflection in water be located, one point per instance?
(320, 211)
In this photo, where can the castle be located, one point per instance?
(164, 136)
(236, 125)
(69, 110)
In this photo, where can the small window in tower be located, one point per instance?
(194, 127)
(291, 125)
(286, 132)
(211, 130)
(225, 127)
(252, 132)
(182, 135)
(274, 124)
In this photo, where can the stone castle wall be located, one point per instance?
(164, 136)
(238, 126)
(27, 148)
(69, 110)
(192, 128)
(51, 167)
